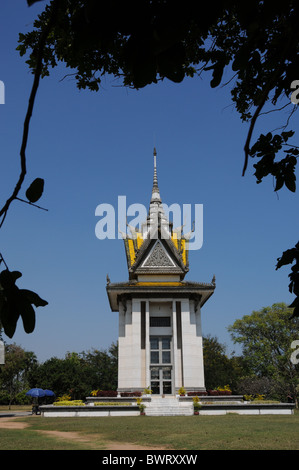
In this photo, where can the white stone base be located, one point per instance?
(168, 406)
(245, 409)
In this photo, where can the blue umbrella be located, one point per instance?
(36, 392)
(49, 393)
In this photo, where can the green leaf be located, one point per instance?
(8, 278)
(291, 184)
(15, 302)
(287, 257)
(279, 183)
(9, 314)
(35, 190)
(286, 135)
(27, 313)
(31, 2)
(217, 74)
(295, 306)
(34, 298)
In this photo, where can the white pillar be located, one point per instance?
(192, 347)
(176, 353)
(136, 360)
(147, 345)
(123, 344)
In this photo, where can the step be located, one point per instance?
(169, 406)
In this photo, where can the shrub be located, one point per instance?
(196, 404)
(224, 390)
(197, 394)
(4, 397)
(131, 394)
(112, 403)
(256, 397)
(22, 399)
(69, 403)
(218, 392)
(64, 398)
(104, 393)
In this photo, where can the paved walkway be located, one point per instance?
(14, 414)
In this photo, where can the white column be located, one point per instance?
(136, 359)
(125, 316)
(147, 346)
(176, 353)
(192, 347)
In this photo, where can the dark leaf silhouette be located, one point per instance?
(35, 190)
(16, 303)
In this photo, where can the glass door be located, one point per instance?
(161, 380)
(161, 365)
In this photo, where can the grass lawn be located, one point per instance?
(229, 432)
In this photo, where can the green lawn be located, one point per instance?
(230, 432)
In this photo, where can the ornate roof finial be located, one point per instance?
(155, 190)
(156, 216)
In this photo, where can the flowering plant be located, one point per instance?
(196, 404)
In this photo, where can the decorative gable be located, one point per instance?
(158, 257)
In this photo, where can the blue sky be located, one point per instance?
(93, 147)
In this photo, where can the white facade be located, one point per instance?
(160, 345)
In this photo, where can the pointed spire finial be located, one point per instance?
(155, 162)
(156, 215)
(155, 184)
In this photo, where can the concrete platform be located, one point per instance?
(169, 406)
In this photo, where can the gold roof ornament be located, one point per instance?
(157, 247)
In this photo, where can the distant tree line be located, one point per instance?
(76, 375)
(266, 366)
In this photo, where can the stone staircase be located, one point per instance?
(168, 406)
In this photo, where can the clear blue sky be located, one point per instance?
(92, 147)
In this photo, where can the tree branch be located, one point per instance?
(37, 75)
(253, 121)
(268, 87)
(31, 203)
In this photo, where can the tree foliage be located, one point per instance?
(266, 338)
(219, 369)
(78, 374)
(144, 41)
(14, 376)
